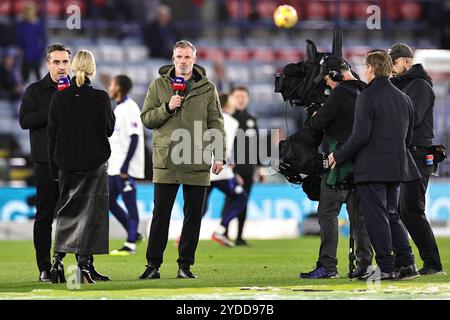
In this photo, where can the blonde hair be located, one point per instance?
(83, 65)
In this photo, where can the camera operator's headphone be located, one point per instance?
(334, 72)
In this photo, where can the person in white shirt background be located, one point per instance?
(226, 181)
(126, 162)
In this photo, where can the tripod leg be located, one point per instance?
(351, 250)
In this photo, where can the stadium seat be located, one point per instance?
(139, 75)
(411, 11)
(241, 54)
(263, 54)
(80, 3)
(239, 9)
(359, 10)
(262, 94)
(391, 9)
(111, 53)
(237, 73)
(211, 53)
(344, 8)
(54, 8)
(266, 8)
(286, 55)
(263, 72)
(19, 5)
(5, 8)
(315, 10)
(136, 53)
(5, 109)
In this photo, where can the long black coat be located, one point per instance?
(381, 136)
(80, 122)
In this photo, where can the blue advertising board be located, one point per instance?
(267, 201)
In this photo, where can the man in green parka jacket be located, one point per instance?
(187, 130)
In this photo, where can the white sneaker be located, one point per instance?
(222, 240)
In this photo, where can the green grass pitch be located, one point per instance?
(268, 269)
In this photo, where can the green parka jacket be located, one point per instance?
(182, 144)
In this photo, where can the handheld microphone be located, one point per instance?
(63, 83)
(179, 86)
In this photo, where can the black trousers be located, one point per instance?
(412, 212)
(47, 193)
(379, 205)
(164, 198)
(248, 184)
(330, 204)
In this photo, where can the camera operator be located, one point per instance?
(335, 119)
(416, 83)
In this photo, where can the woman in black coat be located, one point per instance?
(80, 122)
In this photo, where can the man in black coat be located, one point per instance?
(33, 116)
(335, 118)
(380, 139)
(416, 83)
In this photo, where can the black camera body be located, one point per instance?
(298, 82)
(302, 84)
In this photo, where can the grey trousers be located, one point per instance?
(330, 204)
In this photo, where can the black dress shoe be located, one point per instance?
(150, 273)
(425, 271)
(185, 273)
(409, 272)
(45, 276)
(362, 272)
(241, 242)
(96, 275)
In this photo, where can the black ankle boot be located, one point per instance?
(96, 275)
(84, 274)
(57, 270)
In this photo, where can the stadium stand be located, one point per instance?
(250, 60)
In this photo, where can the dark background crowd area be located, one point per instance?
(237, 43)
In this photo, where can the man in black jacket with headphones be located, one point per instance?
(335, 119)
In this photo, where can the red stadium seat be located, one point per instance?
(263, 54)
(316, 10)
(239, 9)
(411, 10)
(19, 5)
(238, 54)
(79, 3)
(359, 10)
(5, 8)
(390, 9)
(266, 8)
(54, 8)
(345, 10)
(100, 3)
(289, 55)
(211, 53)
